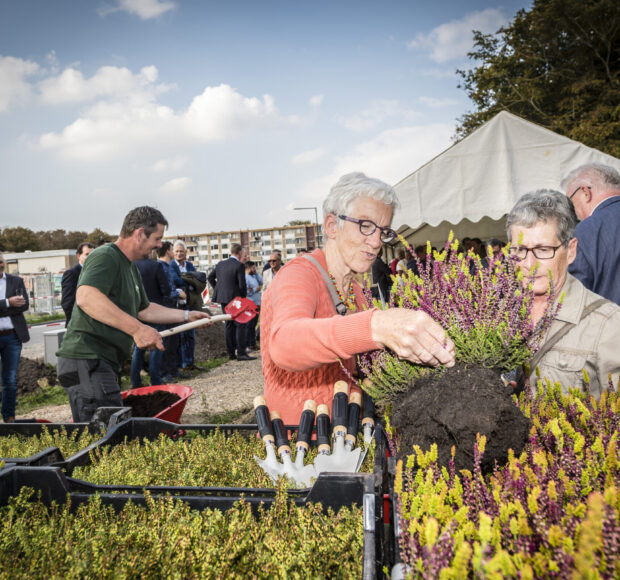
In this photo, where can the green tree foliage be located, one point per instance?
(298, 223)
(19, 239)
(557, 65)
(97, 237)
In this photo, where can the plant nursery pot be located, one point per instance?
(172, 413)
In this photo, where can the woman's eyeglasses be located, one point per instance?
(368, 228)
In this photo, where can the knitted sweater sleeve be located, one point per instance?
(305, 331)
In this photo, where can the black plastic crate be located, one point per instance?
(333, 490)
(336, 490)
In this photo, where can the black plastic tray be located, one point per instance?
(332, 490)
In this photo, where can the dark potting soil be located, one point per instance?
(151, 404)
(450, 408)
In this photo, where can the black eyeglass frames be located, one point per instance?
(368, 227)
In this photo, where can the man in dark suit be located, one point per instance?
(228, 280)
(70, 280)
(594, 190)
(13, 332)
(157, 287)
(187, 340)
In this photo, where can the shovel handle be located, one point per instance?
(368, 412)
(305, 424)
(263, 420)
(355, 405)
(194, 324)
(339, 407)
(282, 442)
(322, 429)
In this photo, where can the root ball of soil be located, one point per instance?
(450, 408)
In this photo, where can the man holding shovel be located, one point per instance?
(112, 313)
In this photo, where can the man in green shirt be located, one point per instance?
(112, 314)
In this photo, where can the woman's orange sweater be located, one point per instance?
(303, 338)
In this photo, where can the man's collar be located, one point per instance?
(600, 203)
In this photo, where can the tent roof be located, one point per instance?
(486, 172)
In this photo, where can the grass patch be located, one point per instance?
(47, 396)
(225, 417)
(40, 318)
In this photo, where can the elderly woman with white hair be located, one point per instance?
(585, 334)
(305, 337)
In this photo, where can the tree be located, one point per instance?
(98, 237)
(298, 222)
(557, 65)
(19, 239)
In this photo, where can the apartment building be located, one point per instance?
(206, 250)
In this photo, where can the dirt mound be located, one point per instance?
(210, 342)
(451, 408)
(151, 404)
(29, 374)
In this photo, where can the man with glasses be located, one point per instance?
(275, 263)
(594, 190)
(585, 333)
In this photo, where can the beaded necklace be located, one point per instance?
(350, 301)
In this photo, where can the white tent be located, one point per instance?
(479, 179)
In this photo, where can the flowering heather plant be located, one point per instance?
(552, 512)
(484, 309)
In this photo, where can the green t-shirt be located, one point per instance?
(111, 272)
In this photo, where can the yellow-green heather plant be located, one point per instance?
(214, 460)
(167, 539)
(67, 443)
(552, 512)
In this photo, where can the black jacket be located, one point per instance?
(228, 279)
(15, 287)
(69, 287)
(155, 280)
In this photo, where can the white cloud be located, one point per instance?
(145, 9)
(454, 39)
(316, 101)
(109, 81)
(221, 112)
(309, 156)
(117, 128)
(379, 111)
(13, 83)
(390, 156)
(435, 103)
(165, 165)
(176, 185)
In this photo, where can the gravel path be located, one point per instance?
(229, 387)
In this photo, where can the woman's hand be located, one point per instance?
(412, 335)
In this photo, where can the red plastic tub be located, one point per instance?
(172, 413)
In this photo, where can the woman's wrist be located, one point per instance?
(186, 315)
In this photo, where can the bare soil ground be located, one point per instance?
(230, 387)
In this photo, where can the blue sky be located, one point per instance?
(224, 115)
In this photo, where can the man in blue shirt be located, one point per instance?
(594, 190)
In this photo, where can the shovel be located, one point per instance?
(306, 423)
(239, 309)
(368, 423)
(342, 459)
(271, 466)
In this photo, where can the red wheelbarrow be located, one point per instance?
(172, 413)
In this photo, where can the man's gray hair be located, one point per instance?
(544, 205)
(604, 174)
(180, 243)
(354, 185)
